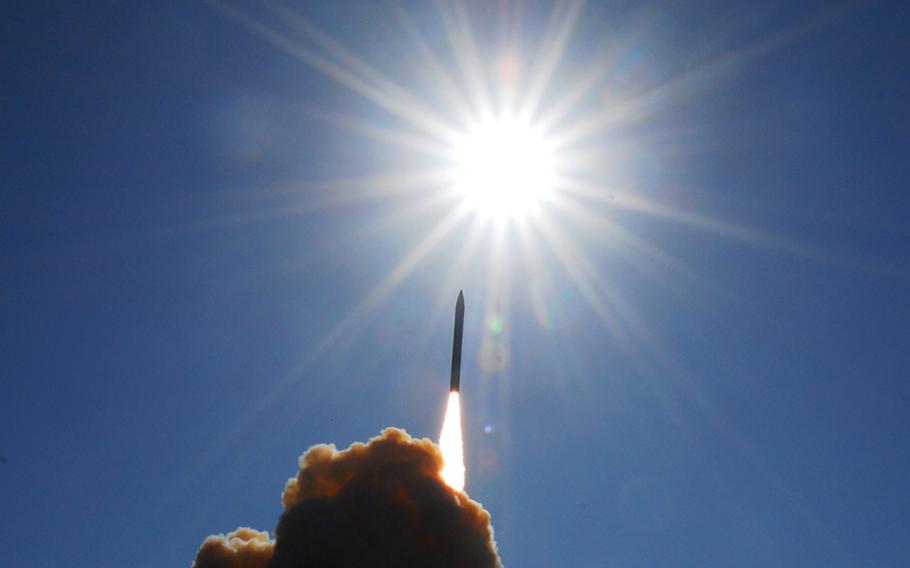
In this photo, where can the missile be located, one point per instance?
(455, 383)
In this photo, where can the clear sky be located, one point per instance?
(230, 233)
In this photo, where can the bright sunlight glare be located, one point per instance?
(451, 445)
(503, 168)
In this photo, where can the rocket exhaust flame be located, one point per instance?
(451, 444)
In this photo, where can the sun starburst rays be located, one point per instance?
(544, 205)
(467, 86)
(505, 155)
(562, 22)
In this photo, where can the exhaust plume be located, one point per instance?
(382, 503)
(451, 444)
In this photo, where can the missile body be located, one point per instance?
(455, 383)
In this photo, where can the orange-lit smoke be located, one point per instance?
(452, 446)
(243, 548)
(382, 503)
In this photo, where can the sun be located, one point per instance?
(503, 167)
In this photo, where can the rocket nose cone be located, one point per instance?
(460, 300)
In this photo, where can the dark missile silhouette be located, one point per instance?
(455, 381)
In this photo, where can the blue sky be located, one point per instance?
(698, 361)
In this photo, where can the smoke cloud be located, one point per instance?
(243, 548)
(382, 503)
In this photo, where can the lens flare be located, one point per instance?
(452, 446)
